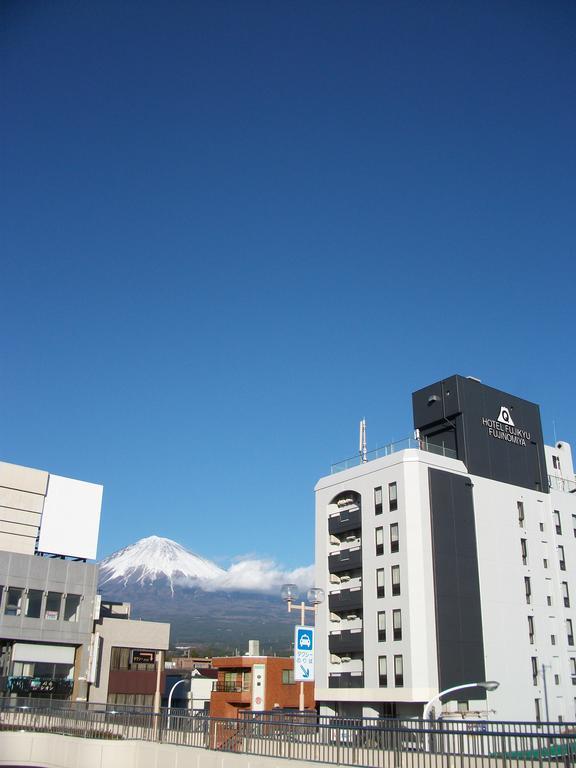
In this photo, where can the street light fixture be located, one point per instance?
(315, 596)
(489, 685)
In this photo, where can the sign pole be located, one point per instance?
(301, 692)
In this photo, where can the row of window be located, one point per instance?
(569, 632)
(398, 671)
(395, 579)
(537, 671)
(396, 625)
(524, 554)
(392, 498)
(555, 514)
(565, 592)
(34, 603)
(394, 539)
(124, 658)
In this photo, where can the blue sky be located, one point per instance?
(230, 230)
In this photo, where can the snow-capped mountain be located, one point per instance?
(154, 558)
(207, 607)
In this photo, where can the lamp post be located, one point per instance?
(182, 680)
(289, 593)
(489, 685)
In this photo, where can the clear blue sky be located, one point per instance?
(230, 230)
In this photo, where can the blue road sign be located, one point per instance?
(303, 653)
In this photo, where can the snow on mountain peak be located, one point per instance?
(154, 557)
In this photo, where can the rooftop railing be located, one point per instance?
(557, 483)
(388, 450)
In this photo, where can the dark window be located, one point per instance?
(552, 639)
(561, 558)
(395, 579)
(531, 629)
(72, 607)
(14, 601)
(569, 632)
(381, 626)
(382, 672)
(537, 710)
(379, 541)
(573, 670)
(380, 582)
(528, 589)
(378, 500)
(557, 523)
(556, 679)
(34, 603)
(520, 505)
(556, 462)
(534, 670)
(394, 538)
(398, 672)
(397, 624)
(53, 604)
(392, 497)
(524, 550)
(565, 594)
(287, 676)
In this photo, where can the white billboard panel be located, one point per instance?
(71, 518)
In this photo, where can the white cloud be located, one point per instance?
(252, 574)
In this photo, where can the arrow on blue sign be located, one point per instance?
(305, 672)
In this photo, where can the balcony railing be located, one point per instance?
(345, 600)
(346, 680)
(347, 560)
(388, 450)
(348, 520)
(222, 687)
(346, 642)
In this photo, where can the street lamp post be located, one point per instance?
(315, 596)
(177, 683)
(489, 685)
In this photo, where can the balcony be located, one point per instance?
(347, 600)
(348, 520)
(227, 687)
(347, 560)
(388, 450)
(346, 642)
(345, 680)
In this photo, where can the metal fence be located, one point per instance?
(368, 743)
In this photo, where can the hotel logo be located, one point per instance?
(503, 428)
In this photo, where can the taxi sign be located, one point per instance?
(303, 654)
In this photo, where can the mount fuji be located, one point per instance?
(208, 607)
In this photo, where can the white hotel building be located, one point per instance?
(451, 559)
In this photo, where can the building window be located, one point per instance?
(379, 541)
(395, 579)
(552, 639)
(557, 523)
(381, 626)
(531, 629)
(537, 710)
(382, 672)
(392, 497)
(556, 679)
(397, 624)
(527, 589)
(569, 632)
(398, 672)
(549, 599)
(524, 550)
(573, 669)
(394, 538)
(72, 607)
(542, 527)
(561, 558)
(380, 582)
(545, 563)
(14, 601)
(378, 500)
(574, 524)
(123, 658)
(534, 670)
(34, 603)
(556, 462)
(520, 505)
(53, 603)
(565, 594)
(288, 676)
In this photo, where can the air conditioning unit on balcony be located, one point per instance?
(351, 537)
(344, 502)
(352, 616)
(334, 659)
(345, 659)
(334, 540)
(334, 579)
(335, 617)
(344, 578)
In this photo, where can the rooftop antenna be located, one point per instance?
(554, 425)
(362, 443)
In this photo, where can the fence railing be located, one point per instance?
(373, 743)
(387, 450)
